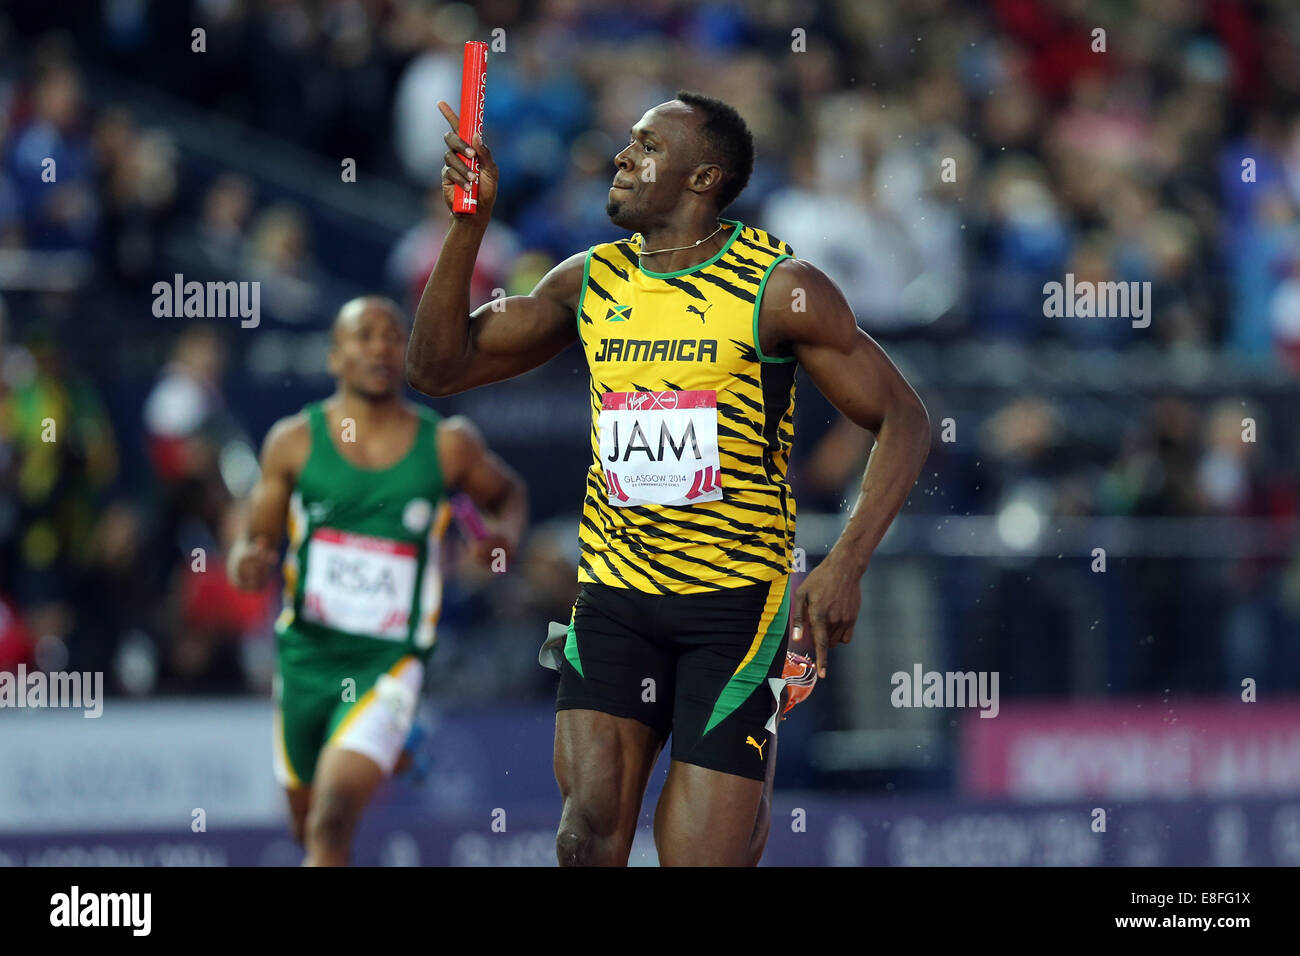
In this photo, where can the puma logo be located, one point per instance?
(755, 744)
(696, 310)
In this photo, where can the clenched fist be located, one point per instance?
(251, 563)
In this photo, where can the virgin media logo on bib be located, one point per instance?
(660, 448)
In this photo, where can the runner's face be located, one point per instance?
(653, 168)
(369, 353)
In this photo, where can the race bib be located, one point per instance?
(660, 448)
(359, 584)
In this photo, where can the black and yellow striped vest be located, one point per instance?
(673, 503)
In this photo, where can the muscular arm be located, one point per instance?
(451, 350)
(858, 378)
(257, 549)
(470, 466)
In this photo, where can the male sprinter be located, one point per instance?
(692, 329)
(361, 480)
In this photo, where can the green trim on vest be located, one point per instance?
(758, 305)
(708, 262)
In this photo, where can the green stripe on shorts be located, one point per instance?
(754, 672)
(571, 648)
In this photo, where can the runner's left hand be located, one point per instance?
(826, 605)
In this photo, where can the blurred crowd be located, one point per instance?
(941, 160)
(1114, 157)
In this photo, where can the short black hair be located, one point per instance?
(726, 140)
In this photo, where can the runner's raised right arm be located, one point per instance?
(452, 350)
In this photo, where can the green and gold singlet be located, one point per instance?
(691, 423)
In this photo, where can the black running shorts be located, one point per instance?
(705, 668)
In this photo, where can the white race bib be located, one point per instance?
(359, 584)
(660, 448)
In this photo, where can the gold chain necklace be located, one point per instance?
(680, 248)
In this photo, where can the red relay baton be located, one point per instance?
(473, 95)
